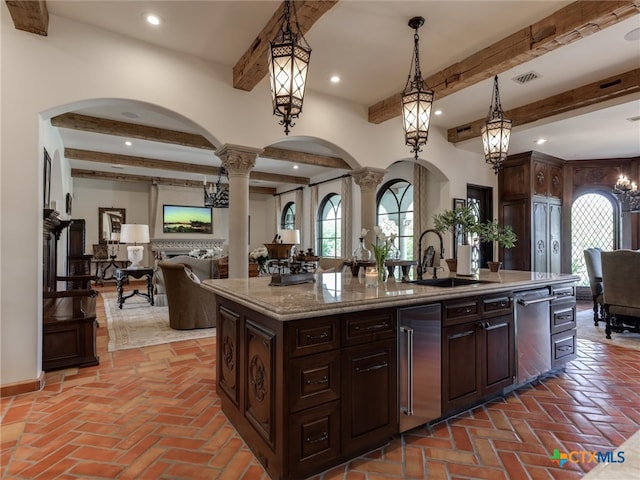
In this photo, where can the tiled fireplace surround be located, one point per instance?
(167, 248)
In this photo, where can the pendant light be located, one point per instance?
(496, 132)
(416, 101)
(288, 66)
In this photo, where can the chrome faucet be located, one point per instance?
(420, 270)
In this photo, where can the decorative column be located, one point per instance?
(238, 161)
(368, 179)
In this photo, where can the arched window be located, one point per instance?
(592, 225)
(329, 230)
(394, 206)
(288, 219)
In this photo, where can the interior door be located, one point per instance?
(481, 198)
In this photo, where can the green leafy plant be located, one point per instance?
(458, 220)
(492, 231)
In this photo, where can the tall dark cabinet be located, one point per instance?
(77, 262)
(530, 200)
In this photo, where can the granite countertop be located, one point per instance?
(334, 293)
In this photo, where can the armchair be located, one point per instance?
(190, 305)
(621, 283)
(593, 261)
(203, 268)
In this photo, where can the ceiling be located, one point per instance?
(369, 45)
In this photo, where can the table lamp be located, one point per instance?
(290, 237)
(134, 233)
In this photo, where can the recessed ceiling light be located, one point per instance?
(438, 112)
(130, 115)
(335, 79)
(540, 141)
(295, 167)
(152, 19)
(633, 35)
(117, 166)
(128, 143)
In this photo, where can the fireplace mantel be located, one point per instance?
(171, 247)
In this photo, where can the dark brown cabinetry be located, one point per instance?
(308, 394)
(530, 200)
(563, 324)
(477, 350)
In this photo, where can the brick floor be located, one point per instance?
(152, 413)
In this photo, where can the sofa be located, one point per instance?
(202, 268)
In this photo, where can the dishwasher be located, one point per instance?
(419, 365)
(533, 333)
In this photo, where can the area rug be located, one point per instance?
(587, 330)
(139, 324)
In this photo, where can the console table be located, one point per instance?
(405, 266)
(106, 268)
(121, 276)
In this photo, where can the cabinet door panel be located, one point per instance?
(259, 391)
(369, 395)
(314, 379)
(228, 340)
(555, 227)
(498, 353)
(461, 374)
(540, 237)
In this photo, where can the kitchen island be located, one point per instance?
(309, 374)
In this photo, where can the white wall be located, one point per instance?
(77, 64)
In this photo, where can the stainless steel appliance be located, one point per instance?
(533, 333)
(419, 363)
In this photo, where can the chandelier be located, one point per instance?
(416, 101)
(216, 196)
(628, 194)
(496, 132)
(288, 67)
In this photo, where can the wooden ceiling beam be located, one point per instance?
(593, 93)
(143, 162)
(174, 182)
(304, 158)
(76, 121)
(30, 15)
(253, 65)
(573, 22)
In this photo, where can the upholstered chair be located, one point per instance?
(190, 305)
(594, 270)
(330, 264)
(621, 283)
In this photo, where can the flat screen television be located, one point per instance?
(186, 219)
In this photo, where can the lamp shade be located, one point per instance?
(290, 236)
(134, 233)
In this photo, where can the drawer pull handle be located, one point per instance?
(372, 368)
(322, 336)
(564, 348)
(376, 326)
(566, 316)
(324, 379)
(460, 335)
(322, 438)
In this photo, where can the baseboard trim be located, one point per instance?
(11, 389)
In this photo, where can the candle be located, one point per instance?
(371, 277)
(204, 181)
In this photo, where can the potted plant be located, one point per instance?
(459, 221)
(492, 231)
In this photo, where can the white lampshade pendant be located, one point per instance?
(496, 132)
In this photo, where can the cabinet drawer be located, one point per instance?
(315, 439)
(314, 379)
(563, 318)
(563, 292)
(496, 306)
(563, 347)
(306, 337)
(467, 309)
(369, 326)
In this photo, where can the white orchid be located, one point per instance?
(363, 232)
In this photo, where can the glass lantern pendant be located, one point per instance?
(288, 67)
(496, 132)
(416, 101)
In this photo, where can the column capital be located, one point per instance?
(368, 178)
(238, 159)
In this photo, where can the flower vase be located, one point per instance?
(382, 272)
(361, 254)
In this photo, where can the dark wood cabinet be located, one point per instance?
(308, 394)
(477, 351)
(530, 200)
(563, 324)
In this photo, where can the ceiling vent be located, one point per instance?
(634, 119)
(526, 77)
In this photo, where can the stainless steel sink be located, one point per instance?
(447, 282)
